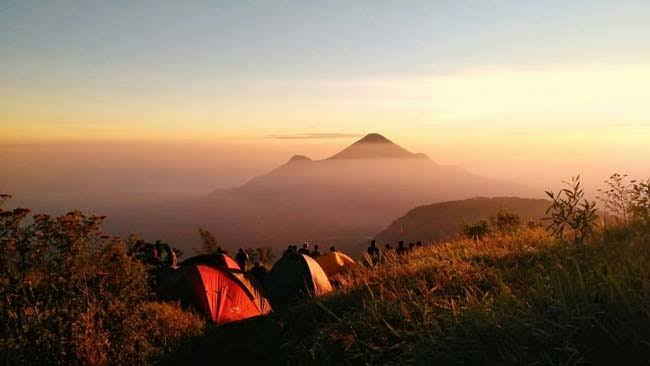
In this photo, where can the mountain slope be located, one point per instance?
(442, 220)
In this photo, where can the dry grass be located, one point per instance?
(513, 299)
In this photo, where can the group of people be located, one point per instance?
(154, 254)
(376, 254)
(258, 270)
(315, 253)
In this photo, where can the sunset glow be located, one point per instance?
(498, 89)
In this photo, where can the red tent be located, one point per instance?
(222, 295)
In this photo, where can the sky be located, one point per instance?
(534, 90)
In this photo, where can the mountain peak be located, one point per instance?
(375, 146)
(298, 158)
(374, 138)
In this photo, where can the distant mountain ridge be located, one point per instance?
(340, 200)
(442, 220)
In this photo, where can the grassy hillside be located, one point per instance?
(443, 220)
(524, 298)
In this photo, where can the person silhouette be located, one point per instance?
(316, 252)
(389, 252)
(333, 249)
(401, 249)
(372, 249)
(373, 252)
(304, 250)
(241, 259)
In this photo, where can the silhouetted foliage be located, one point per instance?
(209, 243)
(627, 200)
(616, 197)
(640, 202)
(571, 212)
(504, 221)
(71, 295)
(507, 221)
(476, 230)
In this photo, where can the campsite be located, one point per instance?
(306, 183)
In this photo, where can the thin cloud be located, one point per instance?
(313, 136)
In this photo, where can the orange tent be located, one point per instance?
(334, 263)
(221, 295)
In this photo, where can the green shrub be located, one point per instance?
(71, 295)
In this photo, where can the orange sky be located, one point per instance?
(533, 92)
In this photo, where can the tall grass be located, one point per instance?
(519, 298)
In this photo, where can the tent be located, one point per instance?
(217, 259)
(296, 274)
(222, 295)
(334, 263)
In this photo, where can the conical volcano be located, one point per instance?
(340, 201)
(375, 146)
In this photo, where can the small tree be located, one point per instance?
(616, 196)
(209, 243)
(570, 211)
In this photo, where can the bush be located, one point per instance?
(154, 329)
(628, 201)
(506, 221)
(476, 230)
(571, 212)
(71, 295)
